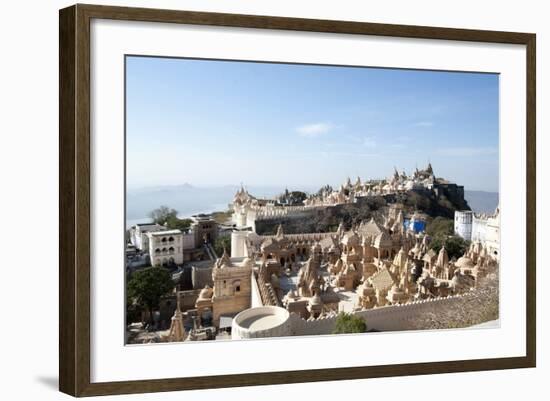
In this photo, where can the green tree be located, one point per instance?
(168, 217)
(325, 190)
(455, 245)
(180, 224)
(163, 214)
(441, 231)
(222, 217)
(293, 198)
(221, 243)
(297, 197)
(440, 226)
(348, 323)
(147, 286)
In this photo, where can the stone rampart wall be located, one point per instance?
(387, 318)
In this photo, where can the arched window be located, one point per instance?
(171, 249)
(163, 249)
(171, 239)
(157, 250)
(237, 285)
(163, 239)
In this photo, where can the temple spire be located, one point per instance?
(442, 258)
(224, 260)
(280, 233)
(430, 169)
(177, 331)
(341, 228)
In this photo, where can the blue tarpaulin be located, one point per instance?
(417, 226)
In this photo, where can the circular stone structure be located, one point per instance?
(260, 322)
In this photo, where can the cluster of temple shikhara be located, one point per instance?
(398, 182)
(368, 266)
(372, 265)
(248, 209)
(268, 283)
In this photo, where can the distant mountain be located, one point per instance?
(160, 188)
(482, 201)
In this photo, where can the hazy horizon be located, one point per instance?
(190, 200)
(304, 188)
(223, 123)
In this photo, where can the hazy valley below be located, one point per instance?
(186, 199)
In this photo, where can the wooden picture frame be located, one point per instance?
(75, 208)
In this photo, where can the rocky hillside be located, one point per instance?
(328, 219)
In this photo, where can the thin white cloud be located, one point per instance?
(468, 151)
(314, 130)
(424, 124)
(369, 142)
(347, 154)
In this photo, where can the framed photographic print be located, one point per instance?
(262, 200)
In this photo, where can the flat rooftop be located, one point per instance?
(166, 232)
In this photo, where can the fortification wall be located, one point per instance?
(387, 318)
(280, 213)
(307, 237)
(323, 219)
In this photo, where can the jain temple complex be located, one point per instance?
(271, 281)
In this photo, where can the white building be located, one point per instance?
(138, 234)
(238, 244)
(463, 224)
(492, 235)
(479, 228)
(260, 322)
(484, 228)
(166, 247)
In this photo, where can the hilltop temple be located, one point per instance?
(247, 209)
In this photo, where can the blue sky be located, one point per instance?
(211, 123)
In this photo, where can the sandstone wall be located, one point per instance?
(255, 296)
(387, 318)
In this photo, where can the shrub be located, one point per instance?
(348, 323)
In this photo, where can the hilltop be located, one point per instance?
(327, 219)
